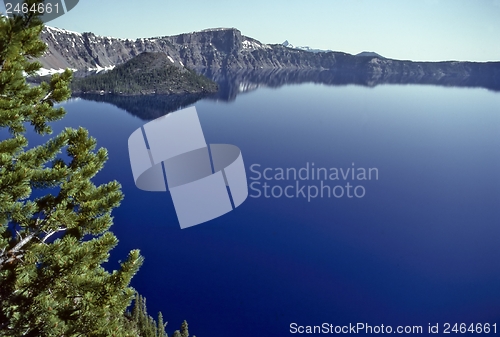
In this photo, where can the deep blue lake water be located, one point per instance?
(421, 246)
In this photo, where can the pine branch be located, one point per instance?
(43, 100)
(48, 235)
(15, 253)
(12, 254)
(54, 287)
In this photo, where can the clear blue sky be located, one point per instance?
(403, 29)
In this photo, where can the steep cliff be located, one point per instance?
(228, 49)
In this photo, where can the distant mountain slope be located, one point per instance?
(147, 73)
(369, 54)
(214, 48)
(90, 52)
(227, 48)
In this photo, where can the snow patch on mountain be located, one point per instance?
(56, 30)
(215, 29)
(304, 48)
(98, 68)
(254, 44)
(45, 72)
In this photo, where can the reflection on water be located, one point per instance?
(420, 247)
(231, 82)
(234, 82)
(146, 107)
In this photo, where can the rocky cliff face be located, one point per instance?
(223, 48)
(213, 48)
(228, 49)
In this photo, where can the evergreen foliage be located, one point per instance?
(183, 332)
(54, 221)
(147, 73)
(161, 326)
(52, 246)
(145, 325)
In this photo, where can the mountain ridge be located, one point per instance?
(227, 48)
(369, 54)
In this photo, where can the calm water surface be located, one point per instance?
(420, 247)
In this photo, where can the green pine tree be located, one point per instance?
(52, 247)
(161, 326)
(183, 332)
(145, 325)
(184, 329)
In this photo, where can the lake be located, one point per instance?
(419, 246)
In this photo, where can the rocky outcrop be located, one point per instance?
(227, 49)
(145, 74)
(212, 48)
